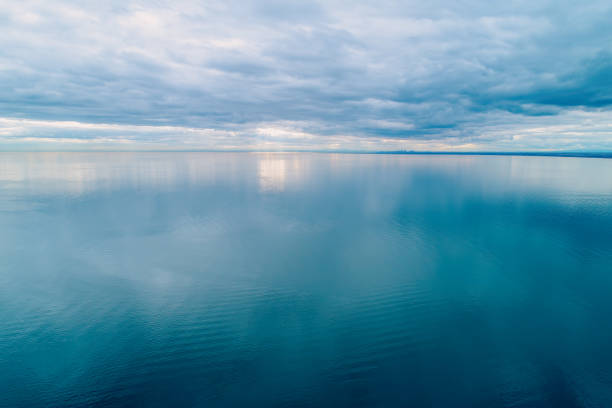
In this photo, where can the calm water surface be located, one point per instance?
(311, 280)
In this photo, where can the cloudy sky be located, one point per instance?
(282, 75)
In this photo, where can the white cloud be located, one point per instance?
(269, 74)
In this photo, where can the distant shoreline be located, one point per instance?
(603, 155)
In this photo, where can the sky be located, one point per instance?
(456, 75)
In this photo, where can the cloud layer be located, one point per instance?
(272, 74)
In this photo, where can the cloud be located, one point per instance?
(306, 75)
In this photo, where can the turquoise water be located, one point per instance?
(213, 279)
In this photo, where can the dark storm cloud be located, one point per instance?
(324, 74)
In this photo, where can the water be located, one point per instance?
(213, 279)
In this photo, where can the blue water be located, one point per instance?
(310, 280)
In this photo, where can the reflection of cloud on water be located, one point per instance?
(562, 174)
(25, 174)
(82, 173)
(280, 171)
(79, 173)
(272, 174)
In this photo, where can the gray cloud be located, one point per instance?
(328, 75)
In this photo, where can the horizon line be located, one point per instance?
(586, 154)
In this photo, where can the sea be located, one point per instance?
(209, 279)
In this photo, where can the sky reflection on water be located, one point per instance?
(223, 279)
